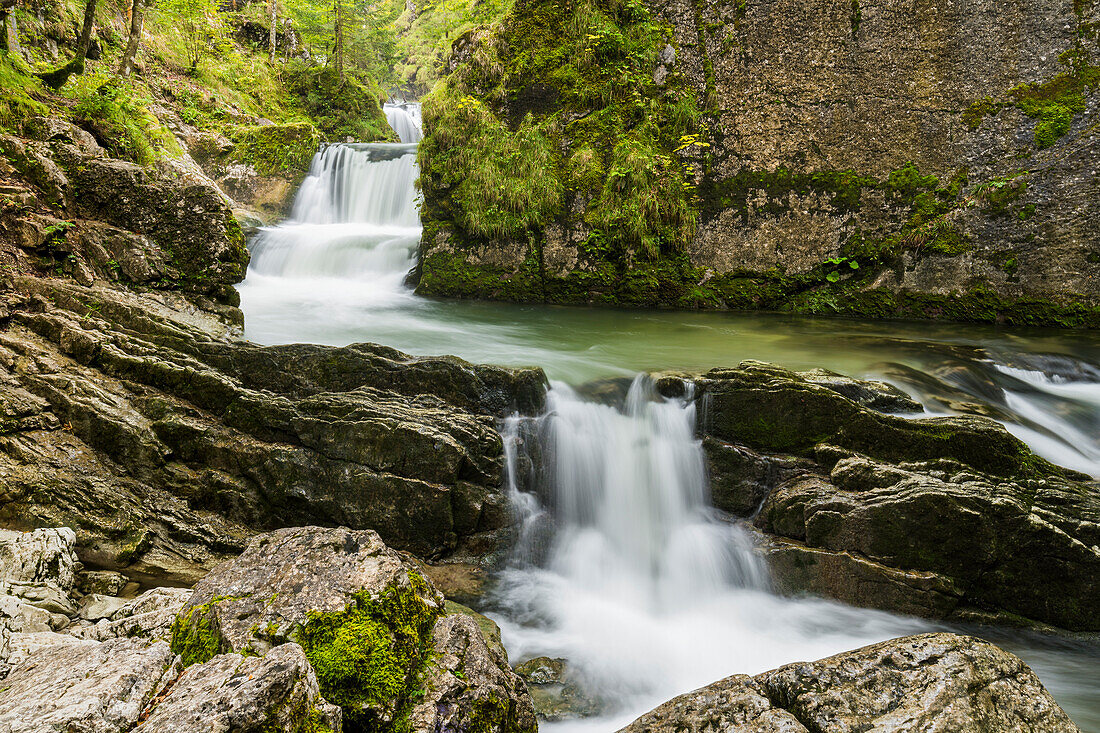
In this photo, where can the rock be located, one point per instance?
(468, 684)
(369, 624)
(788, 208)
(916, 683)
(20, 616)
(149, 616)
(933, 541)
(488, 626)
(85, 685)
(555, 695)
(164, 407)
(43, 556)
(106, 582)
(23, 645)
(878, 396)
(276, 693)
(39, 567)
(95, 607)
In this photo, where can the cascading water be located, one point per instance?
(623, 568)
(352, 233)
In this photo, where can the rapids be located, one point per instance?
(622, 566)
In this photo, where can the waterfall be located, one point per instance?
(404, 118)
(623, 568)
(354, 228)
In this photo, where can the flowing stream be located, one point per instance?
(622, 567)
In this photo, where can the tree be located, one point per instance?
(137, 17)
(57, 78)
(274, 14)
(338, 37)
(198, 20)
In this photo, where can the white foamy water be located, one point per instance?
(623, 569)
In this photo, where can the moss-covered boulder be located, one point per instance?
(374, 630)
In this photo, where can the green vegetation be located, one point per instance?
(116, 111)
(369, 656)
(195, 636)
(587, 120)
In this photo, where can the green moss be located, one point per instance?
(195, 634)
(340, 108)
(1056, 102)
(369, 656)
(976, 112)
(277, 149)
(20, 94)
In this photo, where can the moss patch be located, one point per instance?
(277, 149)
(196, 636)
(369, 656)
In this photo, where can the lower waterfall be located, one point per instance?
(623, 569)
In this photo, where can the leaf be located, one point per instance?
(833, 277)
(853, 264)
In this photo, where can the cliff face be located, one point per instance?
(899, 158)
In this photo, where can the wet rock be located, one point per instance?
(555, 695)
(873, 395)
(276, 693)
(85, 685)
(916, 683)
(951, 538)
(148, 401)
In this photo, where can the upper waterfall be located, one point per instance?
(355, 222)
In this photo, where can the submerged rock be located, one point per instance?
(930, 682)
(555, 694)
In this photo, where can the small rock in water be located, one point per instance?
(555, 695)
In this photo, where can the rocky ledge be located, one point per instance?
(946, 517)
(940, 682)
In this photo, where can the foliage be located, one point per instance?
(427, 33)
(201, 26)
(116, 110)
(20, 95)
(370, 654)
(340, 108)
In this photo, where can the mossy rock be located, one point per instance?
(282, 150)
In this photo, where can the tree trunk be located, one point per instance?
(7, 27)
(57, 78)
(339, 46)
(271, 45)
(137, 17)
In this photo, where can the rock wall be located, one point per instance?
(882, 159)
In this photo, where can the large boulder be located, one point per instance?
(931, 682)
(373, 628)
(941, 517)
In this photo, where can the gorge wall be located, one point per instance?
(904, 158)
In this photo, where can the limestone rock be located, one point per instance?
(85, 686)
(149, 616)
(930, 682)
(107, 582)
(39, 567)
(469, 685)
(367, 621)
(95, 607)
(276, 693)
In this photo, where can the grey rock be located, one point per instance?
(107, 582)
(264, 596)
(85, 686)
(469, 685)
(276, 693)
(930, 682)
(95, 607)
(42, 556)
